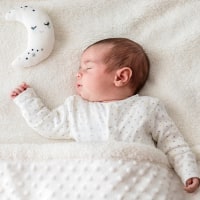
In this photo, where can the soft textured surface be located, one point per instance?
(80, 171)
(168, 30)
(122, 172)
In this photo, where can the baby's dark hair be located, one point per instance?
(127, 53)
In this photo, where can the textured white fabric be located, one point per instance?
(168, 30)
(140, 119)
(122, 172)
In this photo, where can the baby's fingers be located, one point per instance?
(19, 90)
(14, 93)
(192, 185)
(24, 86)
(189, 189)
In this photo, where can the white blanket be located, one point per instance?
(167, 29)
(100, 171)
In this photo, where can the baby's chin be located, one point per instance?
(82, 96)
(92, 98)
(88, 98)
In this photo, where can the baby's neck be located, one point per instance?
(115, 99)
(119, 95)
(114, 95)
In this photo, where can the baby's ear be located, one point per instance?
(122, 76)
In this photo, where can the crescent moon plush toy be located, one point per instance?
(40, 35)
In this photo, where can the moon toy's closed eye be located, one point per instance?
(46, 24)
(34, 27)
(40, 38)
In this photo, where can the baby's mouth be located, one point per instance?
(78, 85)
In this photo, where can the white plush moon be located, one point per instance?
(40, 35)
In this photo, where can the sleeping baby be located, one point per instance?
(108, 107)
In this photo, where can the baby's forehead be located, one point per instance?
(100, 50)
(100, 46)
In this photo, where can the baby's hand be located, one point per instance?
(192, 184)
(19, 90)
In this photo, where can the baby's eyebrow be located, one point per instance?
(89, 61)
(86, 62)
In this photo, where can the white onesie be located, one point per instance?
(138, 119)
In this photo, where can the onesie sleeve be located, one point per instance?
(172, 143)
(48, 123)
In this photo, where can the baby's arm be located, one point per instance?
(172, 143)
(192, 184)
(48, 123)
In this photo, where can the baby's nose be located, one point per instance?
(78, 75)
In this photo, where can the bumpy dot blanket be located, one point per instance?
(33, 167)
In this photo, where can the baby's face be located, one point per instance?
(94, 81)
